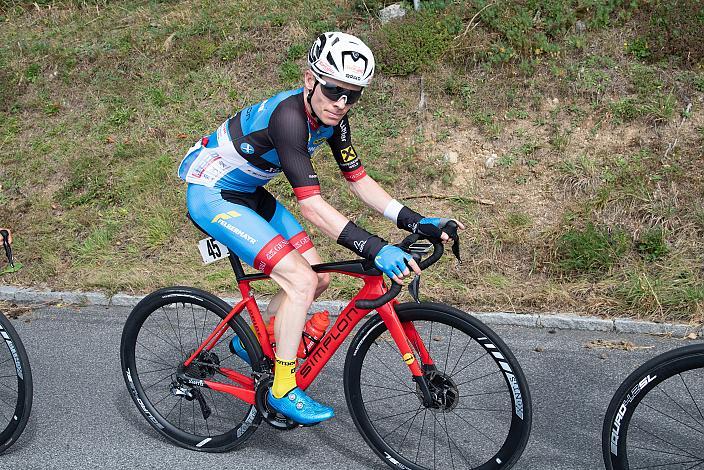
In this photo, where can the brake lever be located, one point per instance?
(414, 285)
(450, 228)
(8, 248)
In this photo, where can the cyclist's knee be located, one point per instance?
(296, 278)
(323, 282)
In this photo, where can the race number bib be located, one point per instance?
(212, 250)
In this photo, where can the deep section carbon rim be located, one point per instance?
(656, 420)
(481, 413)
(15, 385)
(158, 338)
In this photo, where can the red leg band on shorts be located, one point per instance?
(272, 253)
(301, 242)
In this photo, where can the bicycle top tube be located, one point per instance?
(358, 267)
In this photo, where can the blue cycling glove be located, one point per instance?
(391, 260)
(431, 226)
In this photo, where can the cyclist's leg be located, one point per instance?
(249, 235)
(230, 218)
(298, 281)
(291, 229)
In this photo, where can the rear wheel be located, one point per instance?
(15, 385)
(162, 331)
(656, 418)
(481, 414)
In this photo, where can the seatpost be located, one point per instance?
(236, 266)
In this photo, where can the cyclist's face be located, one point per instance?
(330, 112)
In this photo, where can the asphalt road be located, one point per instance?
(83, 417)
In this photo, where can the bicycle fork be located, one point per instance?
(408, 340)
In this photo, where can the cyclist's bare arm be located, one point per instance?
(369, 192)
(374, 196)
(331, 222)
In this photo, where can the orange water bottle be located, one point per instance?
(313, 332)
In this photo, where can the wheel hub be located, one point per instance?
(204, 366)
(443, 390)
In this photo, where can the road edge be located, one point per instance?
(562, 321)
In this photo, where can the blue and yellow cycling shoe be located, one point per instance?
(299, 407)
(236, 347)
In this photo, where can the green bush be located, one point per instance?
(534, 27)
(674, 28)
(590, 250)
(652, 244)
(406, 46)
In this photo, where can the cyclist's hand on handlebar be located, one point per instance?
(432, 227)
(394, 262)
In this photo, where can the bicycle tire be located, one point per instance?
(16, 387)
(646, 422)
(159, 312)
(488, 352)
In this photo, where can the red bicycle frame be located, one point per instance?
(405, 336)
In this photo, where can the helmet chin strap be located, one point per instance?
(312, 111)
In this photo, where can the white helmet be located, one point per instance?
(343, 57)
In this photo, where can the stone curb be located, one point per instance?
(552, 321)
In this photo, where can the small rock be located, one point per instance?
(451, 157)
(490, 162)
(580, 26)
(691, 336)
(539, 349)
(552, 332)
(603, 356)
(391, 13)
(555, 100)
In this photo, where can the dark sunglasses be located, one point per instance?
(334, 92)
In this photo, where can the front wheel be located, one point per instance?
(481, 415)
(15, 385)
(656, 417)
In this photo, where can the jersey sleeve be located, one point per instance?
(345, 156)
(289, 135)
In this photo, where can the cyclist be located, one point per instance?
(226, 172)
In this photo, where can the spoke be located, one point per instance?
(692, 397)
(449, 345)
(391, 416)
(665, 441)
(170, 343)
(386, 398)
(686, 462)
(172, 409)
(13, 390)
(151, 351)
(474, 361)
(400, 448)
(156, 370)
(153, 362)
(422, 426)
(476, 428)
(168, 394)
(453, 441)
(481, 394)
(385, 388)
(168, 376)
(449, 444)
(479, 409)
(412, 418)
(497, 371)
(662, 390)
(469, 341)
(672, 418)
(391, 371)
